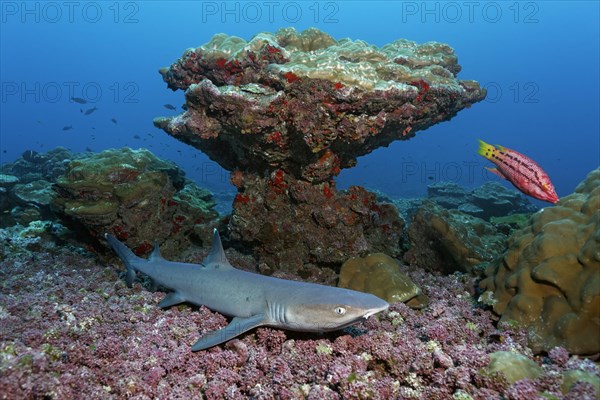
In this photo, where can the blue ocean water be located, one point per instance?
(538, 59)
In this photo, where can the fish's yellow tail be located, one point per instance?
(485, 150)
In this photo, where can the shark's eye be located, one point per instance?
(340, 310)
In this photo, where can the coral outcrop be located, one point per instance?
(380, 274)
(296, 108)
(141, 199)
(487, 201)
(446, 241)
(26, 185)
(7, 182)
(548, 281)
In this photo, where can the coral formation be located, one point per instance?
(74, 330)
(381, 275)
(26, 185)
(37, 193)
(134, 195)
(549, 278)
(449, 240)
(290, 110)
(6, 183)
(487, 201)
(32, 166)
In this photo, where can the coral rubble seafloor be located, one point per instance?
(70, 328)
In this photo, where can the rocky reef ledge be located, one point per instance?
(285, 112)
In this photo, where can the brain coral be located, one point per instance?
(549, 279)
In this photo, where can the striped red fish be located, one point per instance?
(519, 170)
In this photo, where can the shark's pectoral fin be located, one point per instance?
(170, 300)
(236, 327)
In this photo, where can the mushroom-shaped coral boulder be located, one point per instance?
(288, 109)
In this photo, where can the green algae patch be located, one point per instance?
(515, 221)
(513, 366)
(573, 376)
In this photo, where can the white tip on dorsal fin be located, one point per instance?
(217, 258)
(155, 255)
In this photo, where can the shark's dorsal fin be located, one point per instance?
(155, 255)
(216, 258)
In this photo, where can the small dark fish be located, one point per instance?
(184, 107)
(89, 149)
(89, 111)
(67, 128)
(113, 120)
(136, 136)
(4, 151)
(79, 100)
(30, 155)
(169, 107)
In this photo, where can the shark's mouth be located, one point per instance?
(371, 312)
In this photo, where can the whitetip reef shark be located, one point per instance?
(251, 299)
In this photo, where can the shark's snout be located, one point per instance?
(384, 305)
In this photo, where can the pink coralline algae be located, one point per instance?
(285, 112)
(70, 328)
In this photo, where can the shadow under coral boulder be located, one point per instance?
(446, 241)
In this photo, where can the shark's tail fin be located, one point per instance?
(126, 255)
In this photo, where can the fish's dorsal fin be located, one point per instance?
(155, 255)
(216, 258)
